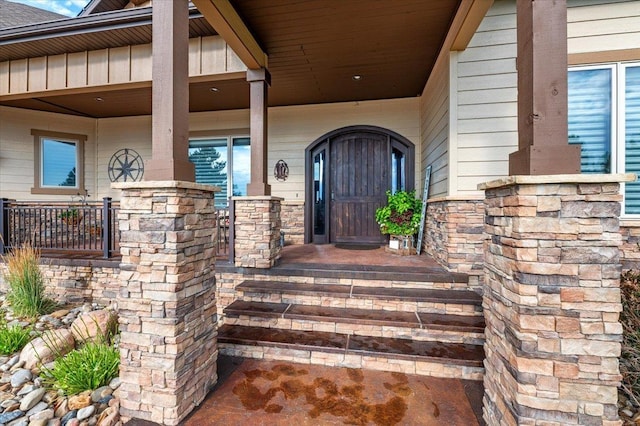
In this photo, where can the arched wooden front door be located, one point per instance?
(349, 171)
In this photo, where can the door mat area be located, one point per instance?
(354, 246)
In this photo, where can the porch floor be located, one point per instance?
(258, 392)
(330, 255)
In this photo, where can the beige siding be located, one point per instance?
(120, 65)
(595, 26)
(434, 134)
(486, 100)
(16, 149)
(486, 79)
(291, 130)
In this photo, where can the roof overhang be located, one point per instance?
(318, 51)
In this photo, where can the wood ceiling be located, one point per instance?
(315, 47)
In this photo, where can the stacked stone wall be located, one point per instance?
(292, 216)
(454, 236)
(77, 281)
(552, 302)
(630, 249)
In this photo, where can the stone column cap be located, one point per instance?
(159, 184)
(558, 179)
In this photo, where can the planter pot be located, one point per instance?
(401, 244)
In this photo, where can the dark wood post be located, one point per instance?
(259, 81)
(170, 94)
(106, 227)
(542, 91)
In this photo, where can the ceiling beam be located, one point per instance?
(226, 21)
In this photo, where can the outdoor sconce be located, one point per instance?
(281, 171)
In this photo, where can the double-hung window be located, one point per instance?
(59, 163)
(224, 162)
(604, 118)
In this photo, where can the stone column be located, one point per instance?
(167, 307)
(257, 226)
(552, 299)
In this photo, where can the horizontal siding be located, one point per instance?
(16, 149)
(291, 130)
(434, 122)
(487, 100)
(487, 125)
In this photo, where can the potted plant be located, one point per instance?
(71, 216)
(400, 218)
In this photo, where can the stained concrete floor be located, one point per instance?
(256, 392)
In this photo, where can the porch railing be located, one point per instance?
(224, 231)
(60, 227)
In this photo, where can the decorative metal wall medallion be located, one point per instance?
(126, 165)
(281, 171)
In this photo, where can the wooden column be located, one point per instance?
(170, 90)
(542, 91)
(259, 81)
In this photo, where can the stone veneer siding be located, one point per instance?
(77, 280)
(257, 227)
(630, 249)
(167, 306)
(552, 300)
(454, 236)
(292, 217)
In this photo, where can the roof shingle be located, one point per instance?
(17, 14)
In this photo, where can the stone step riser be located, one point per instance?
(419, 367)
(336, 301)
(349, 328)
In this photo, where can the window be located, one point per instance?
(604, 118)
(58, 166)
(215, 157)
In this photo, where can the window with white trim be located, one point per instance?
(604, 118)
(58, 166)
(224, 162)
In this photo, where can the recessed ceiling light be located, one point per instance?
(356, 77)
(98, 99)
(214, 89)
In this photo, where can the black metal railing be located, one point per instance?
(82, 227)
(223, 226)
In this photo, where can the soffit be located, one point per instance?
(314, 49)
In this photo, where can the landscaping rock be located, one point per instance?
(82, 400)
(100, 393)
(114, 383)
(38, 408)
(86, 412)
(32, 398)
(45, 414)
(44, 349)
(7, 417)
(20, 377)
(67, 417)
(94, 325)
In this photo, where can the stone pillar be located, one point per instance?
(257, 226)
(167, 307)
(552, 299)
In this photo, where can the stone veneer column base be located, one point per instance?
(167, 306)
(552, 300)
(257, 227)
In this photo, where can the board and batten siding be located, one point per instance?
(486, 80)
(119, 65)
(17, 156)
